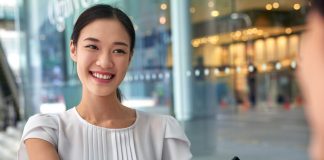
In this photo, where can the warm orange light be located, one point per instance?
(268, 7)
(285, 63)
(249, 31)
(255, 30)
(275, 5)
(214, 13)
(204, 40)
(238, 34)
(194, 44)
(163, 6)
(260, 32)
(288, 30)
(213, 39)
(297, 6)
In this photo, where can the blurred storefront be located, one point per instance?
(248, 50)
(242, 54)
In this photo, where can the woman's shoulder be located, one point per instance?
(41, 119)
(154, 118)
(49, 120)
(166, 125)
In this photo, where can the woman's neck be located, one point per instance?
(99, 109)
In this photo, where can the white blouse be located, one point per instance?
(150, 137)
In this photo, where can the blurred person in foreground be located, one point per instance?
(311, 76)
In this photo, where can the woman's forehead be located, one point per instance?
(103, 29)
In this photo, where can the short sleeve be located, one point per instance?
(176, 145)
(42, 126)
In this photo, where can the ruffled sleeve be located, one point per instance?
(42, 126)
(176, 145)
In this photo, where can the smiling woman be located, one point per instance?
(100, 127)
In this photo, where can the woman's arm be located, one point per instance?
(39, 149)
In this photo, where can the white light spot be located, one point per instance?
(227, 70)
(293, 64)
(278, 65)
(197, 72)
(251, 68)
(216, 71)
(206, 72)
(264, 67)
(238, 69)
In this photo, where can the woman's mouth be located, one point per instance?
(102, 75)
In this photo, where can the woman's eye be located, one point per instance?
(119, 51)
(92, 47)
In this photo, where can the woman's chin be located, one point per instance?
(102, 92)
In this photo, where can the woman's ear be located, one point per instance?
(73, 52)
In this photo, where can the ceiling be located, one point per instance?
(203, 8)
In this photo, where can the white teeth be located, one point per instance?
(101, 76)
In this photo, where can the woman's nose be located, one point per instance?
(105, 61)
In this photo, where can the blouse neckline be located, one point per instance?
(106, 128)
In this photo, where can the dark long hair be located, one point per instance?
(104, 11)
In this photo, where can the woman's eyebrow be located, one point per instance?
(92, 39)
(121, 43)
(97, 40)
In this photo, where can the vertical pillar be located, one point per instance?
(181, 40)
(33, 89)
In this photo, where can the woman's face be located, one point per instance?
(102, 55)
